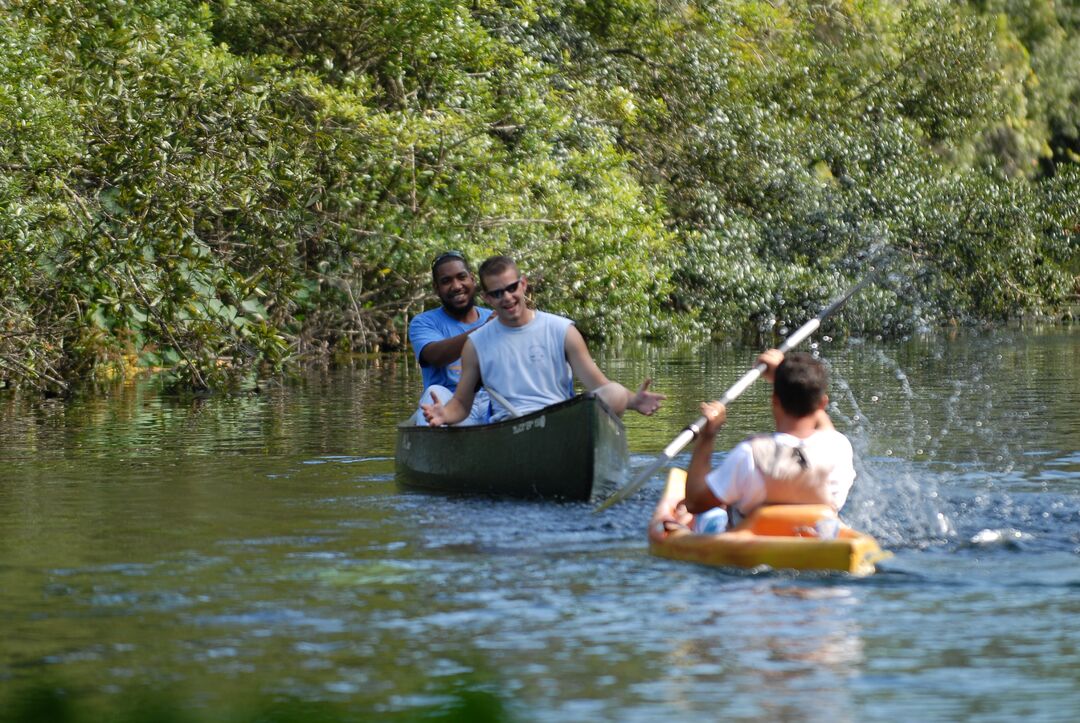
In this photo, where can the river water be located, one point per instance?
(242, 558)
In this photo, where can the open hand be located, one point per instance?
(681, 516)
(646, 402)
(434, 413)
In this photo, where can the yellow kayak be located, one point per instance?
(778, 536)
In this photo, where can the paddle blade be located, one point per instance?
(634, 485)
(661, 460)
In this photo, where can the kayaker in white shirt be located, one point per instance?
(528, 359)
(805, 461)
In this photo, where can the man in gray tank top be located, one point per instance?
(528, 359)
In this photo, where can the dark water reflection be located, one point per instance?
(226, 555)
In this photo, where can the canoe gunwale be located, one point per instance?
(505, 423)
(573, 450)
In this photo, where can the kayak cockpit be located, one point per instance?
(797, 537)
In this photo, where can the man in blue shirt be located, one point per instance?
(438, 335)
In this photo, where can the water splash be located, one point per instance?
(1010, 538)
(895, 498)
(953, 442)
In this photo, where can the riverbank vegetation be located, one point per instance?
(229, 188)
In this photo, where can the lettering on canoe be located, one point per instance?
(537, 423)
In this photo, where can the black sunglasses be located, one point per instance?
(508, 289)
(448, 256)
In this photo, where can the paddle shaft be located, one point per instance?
(514, 413)
(694, 428)
(735, 390)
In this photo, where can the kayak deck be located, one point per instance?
(777, 536)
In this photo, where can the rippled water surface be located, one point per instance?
(229, 558)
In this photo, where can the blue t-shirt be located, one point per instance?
(436, 325)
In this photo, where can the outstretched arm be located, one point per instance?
(698, 495)
(644, 401)
(459, 406)
(615, 395)
(443, 352)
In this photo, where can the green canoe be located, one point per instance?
(574, 450)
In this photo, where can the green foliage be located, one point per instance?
(789, 143)
(227, 188)
(1047, 40)
(464, 701)
(38, 141)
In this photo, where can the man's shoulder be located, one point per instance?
(745, 447)
(485, 331)
(429, 317)
(760, 438)
(825, 443)
(830, 436)
(829, 444)
(437, 318)
(546, 318)
(821, 436)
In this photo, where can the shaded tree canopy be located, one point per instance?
(229, 188)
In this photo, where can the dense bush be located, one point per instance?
(791, 143)
(227, 188)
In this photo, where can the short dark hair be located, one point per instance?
(495, 265)
(801, 383)
(443, 258)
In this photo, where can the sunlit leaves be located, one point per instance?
(215, 187)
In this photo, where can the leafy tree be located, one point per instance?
(230, 188)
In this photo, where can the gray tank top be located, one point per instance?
(526, 364)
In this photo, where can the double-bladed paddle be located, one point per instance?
(692, 429)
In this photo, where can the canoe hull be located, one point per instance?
(779, 537)
(575, 450)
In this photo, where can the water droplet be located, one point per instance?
(943, 524)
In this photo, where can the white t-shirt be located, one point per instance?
(738, 483)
